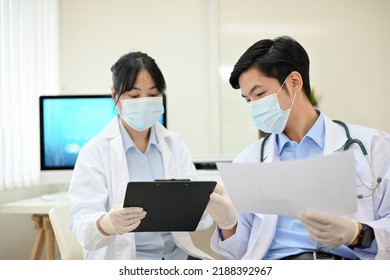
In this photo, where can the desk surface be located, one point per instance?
(37, 205)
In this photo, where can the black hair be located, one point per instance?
(128, 66)
(275, 59)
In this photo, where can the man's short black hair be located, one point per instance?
(275, 59)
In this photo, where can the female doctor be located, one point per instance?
(273, 76)
(133, 146)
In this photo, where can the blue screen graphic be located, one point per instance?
(69, 123)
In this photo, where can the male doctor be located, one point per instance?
(273, 76)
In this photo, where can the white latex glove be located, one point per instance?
(330, 231)
(121, 220)
(221, 208)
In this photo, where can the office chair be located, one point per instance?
(69, 246)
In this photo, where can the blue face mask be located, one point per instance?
(142, 113)
(267, 114)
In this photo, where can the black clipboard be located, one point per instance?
(171, 205)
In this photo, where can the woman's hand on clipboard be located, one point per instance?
(120, 220)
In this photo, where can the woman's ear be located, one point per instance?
(113, 94)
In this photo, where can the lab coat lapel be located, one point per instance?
(264, 227)
(335, 137)
(119, 170)
(118, 164)
(270, 149)
(171, 170)
(257, 247)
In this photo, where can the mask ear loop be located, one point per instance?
(282, 86)
(295, 94)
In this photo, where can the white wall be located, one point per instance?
(193, 41)
(347, 42)
(94, 34)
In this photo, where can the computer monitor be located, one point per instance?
(67, 123)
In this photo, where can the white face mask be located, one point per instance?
(142, 113)
(267, 114)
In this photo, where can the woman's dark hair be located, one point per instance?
(275, 59)
(126, 69)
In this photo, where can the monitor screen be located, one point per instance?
(68, 122)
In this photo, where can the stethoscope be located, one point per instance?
(349, 142)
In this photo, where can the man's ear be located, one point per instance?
(295, 81)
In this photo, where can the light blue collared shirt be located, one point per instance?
(291, 237)
(149, 166)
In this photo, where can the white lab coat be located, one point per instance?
(373, 210)
(99, 183)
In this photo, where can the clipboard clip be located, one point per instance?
(170, 180)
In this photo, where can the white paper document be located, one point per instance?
(324, 183)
